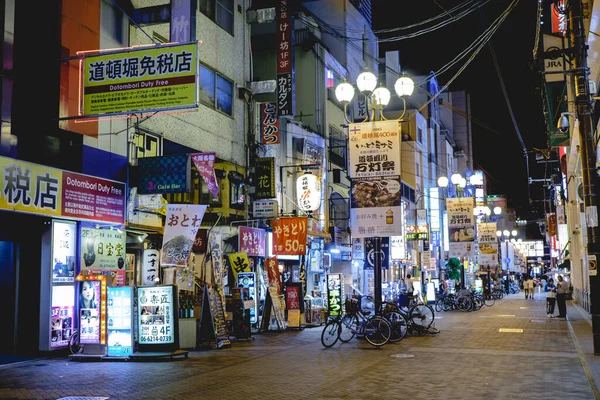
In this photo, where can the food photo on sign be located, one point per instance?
(375, 192)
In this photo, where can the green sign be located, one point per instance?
(556, 98)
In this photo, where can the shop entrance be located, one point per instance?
(7, 296)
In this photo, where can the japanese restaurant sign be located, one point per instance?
(488, 244)
(150, 78)
(269, 124)
(335, 288)
(102, 249)
(252, 241)
(150, 264)
(39, 189)
(264, 177)
(289, 235)
(239, 263)
(272, 267)
(285, 52)
(155, 315)
(205, 164)
(181, 226)
(461, 226)
(308, 190)
(375, 163)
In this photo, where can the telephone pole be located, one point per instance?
(587, 151)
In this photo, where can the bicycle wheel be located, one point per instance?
(464, 304)
(74, 346)
(330, 334)
(490, 301)
(377, 331)
(439, 305)
(422, 315)
(348, 327)
(399, 325)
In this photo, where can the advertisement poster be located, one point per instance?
(375, 206)
(181, 225)
(461, 228)
(335, 288)
(61, 326)
(39, 189)
(370, 253)
(119, 321)
(239, 263)
(89, 311)
(102, 249)
(155, 319)
(252, 241)
(315, 255)
(63, 251)
(488, 244)
(289, 235)
(205, 164)
(150, 78)
(374, 149)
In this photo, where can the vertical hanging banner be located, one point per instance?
(252, 241)
(285, 53)
(150, 264)
(384, 249)
(289, 235)
(205, 164)
(264, 177)
(375, 164)
(461, 226)
(181, 226)
(488, 244)
(239, 263)
(183, 21)
(272, 267)
(269, 124)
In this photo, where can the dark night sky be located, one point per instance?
(500, 154)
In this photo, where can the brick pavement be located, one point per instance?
(469, 359)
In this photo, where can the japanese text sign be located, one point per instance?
(486, 233)
(155, 315)
(239, 263)
(289, 235)
(91, 310)
(102, 249)
(335, 288)
(42, 190)
(205, 164)
(252, 241)
(269, 124)
(293, 297)
(384, 252)
(61, 326)
(375, 206)
(374, 149)
(201, 241)
(559, 20)
(308, 190)
(285, 53)
(150, 265)
(181, 226)
(150, 78)
(272, 267)
(460, 212)
(119, 321)
(63, 251)
(264, 178)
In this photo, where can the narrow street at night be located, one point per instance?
(477, 355)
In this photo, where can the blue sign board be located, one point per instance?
(118, 316)
(165, 174)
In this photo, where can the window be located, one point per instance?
(216, 91)
(417, 170)
(236, 190)
(220, 11)
(147, 145)
(420, 135)
(329, 78)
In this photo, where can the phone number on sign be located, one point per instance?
(154, 339)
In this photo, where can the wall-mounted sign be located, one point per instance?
(181, 225)
(559, 19)
(252, 241)
(308, 191)
(285, 59)
(42, 190)
(118, 320)
(384, 252)
(264, 178)
(150, 265)
(265, 208)
(164, 174)
(63, 251)
(145, 79)
(269, 123)
(102, 249)
(335, 293)
(289, 235)
(239, 263)
(156, 320)
(201, 241)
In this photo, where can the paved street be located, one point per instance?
(469, 359)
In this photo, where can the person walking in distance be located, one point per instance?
(562, 288)
(526, 287)
(409, 285)
(550, 290)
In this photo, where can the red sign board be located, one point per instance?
(289, 236)
(559, 20)
(269, 124)
(292, 297)
(88, 197)
(272, 267)
(200, 241)
(252, 241)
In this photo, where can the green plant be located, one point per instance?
(453, 268)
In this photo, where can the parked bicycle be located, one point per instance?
(374, 328)
(75, 346)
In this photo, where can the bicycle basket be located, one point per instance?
(351, 306)
(403, 299)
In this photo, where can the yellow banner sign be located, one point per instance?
(239, 263)
(146, 79)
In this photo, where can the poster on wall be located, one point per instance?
(63, 251)
(118, 316)
(156, 324)
(89, 311)
(102, 249)
(181, 226)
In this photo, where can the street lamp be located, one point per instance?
(497, 210)
(458, 182)
(377, 97)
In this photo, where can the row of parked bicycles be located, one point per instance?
(470, 300)
(392, 322)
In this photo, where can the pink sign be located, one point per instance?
(61, 326)
(88, 197)
(252, 241)
(205, 164)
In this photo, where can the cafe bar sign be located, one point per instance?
(42, 190)
(164, 174)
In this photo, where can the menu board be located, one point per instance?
(118, 316)
(218, 316)
(155, 315)
(278, 307)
